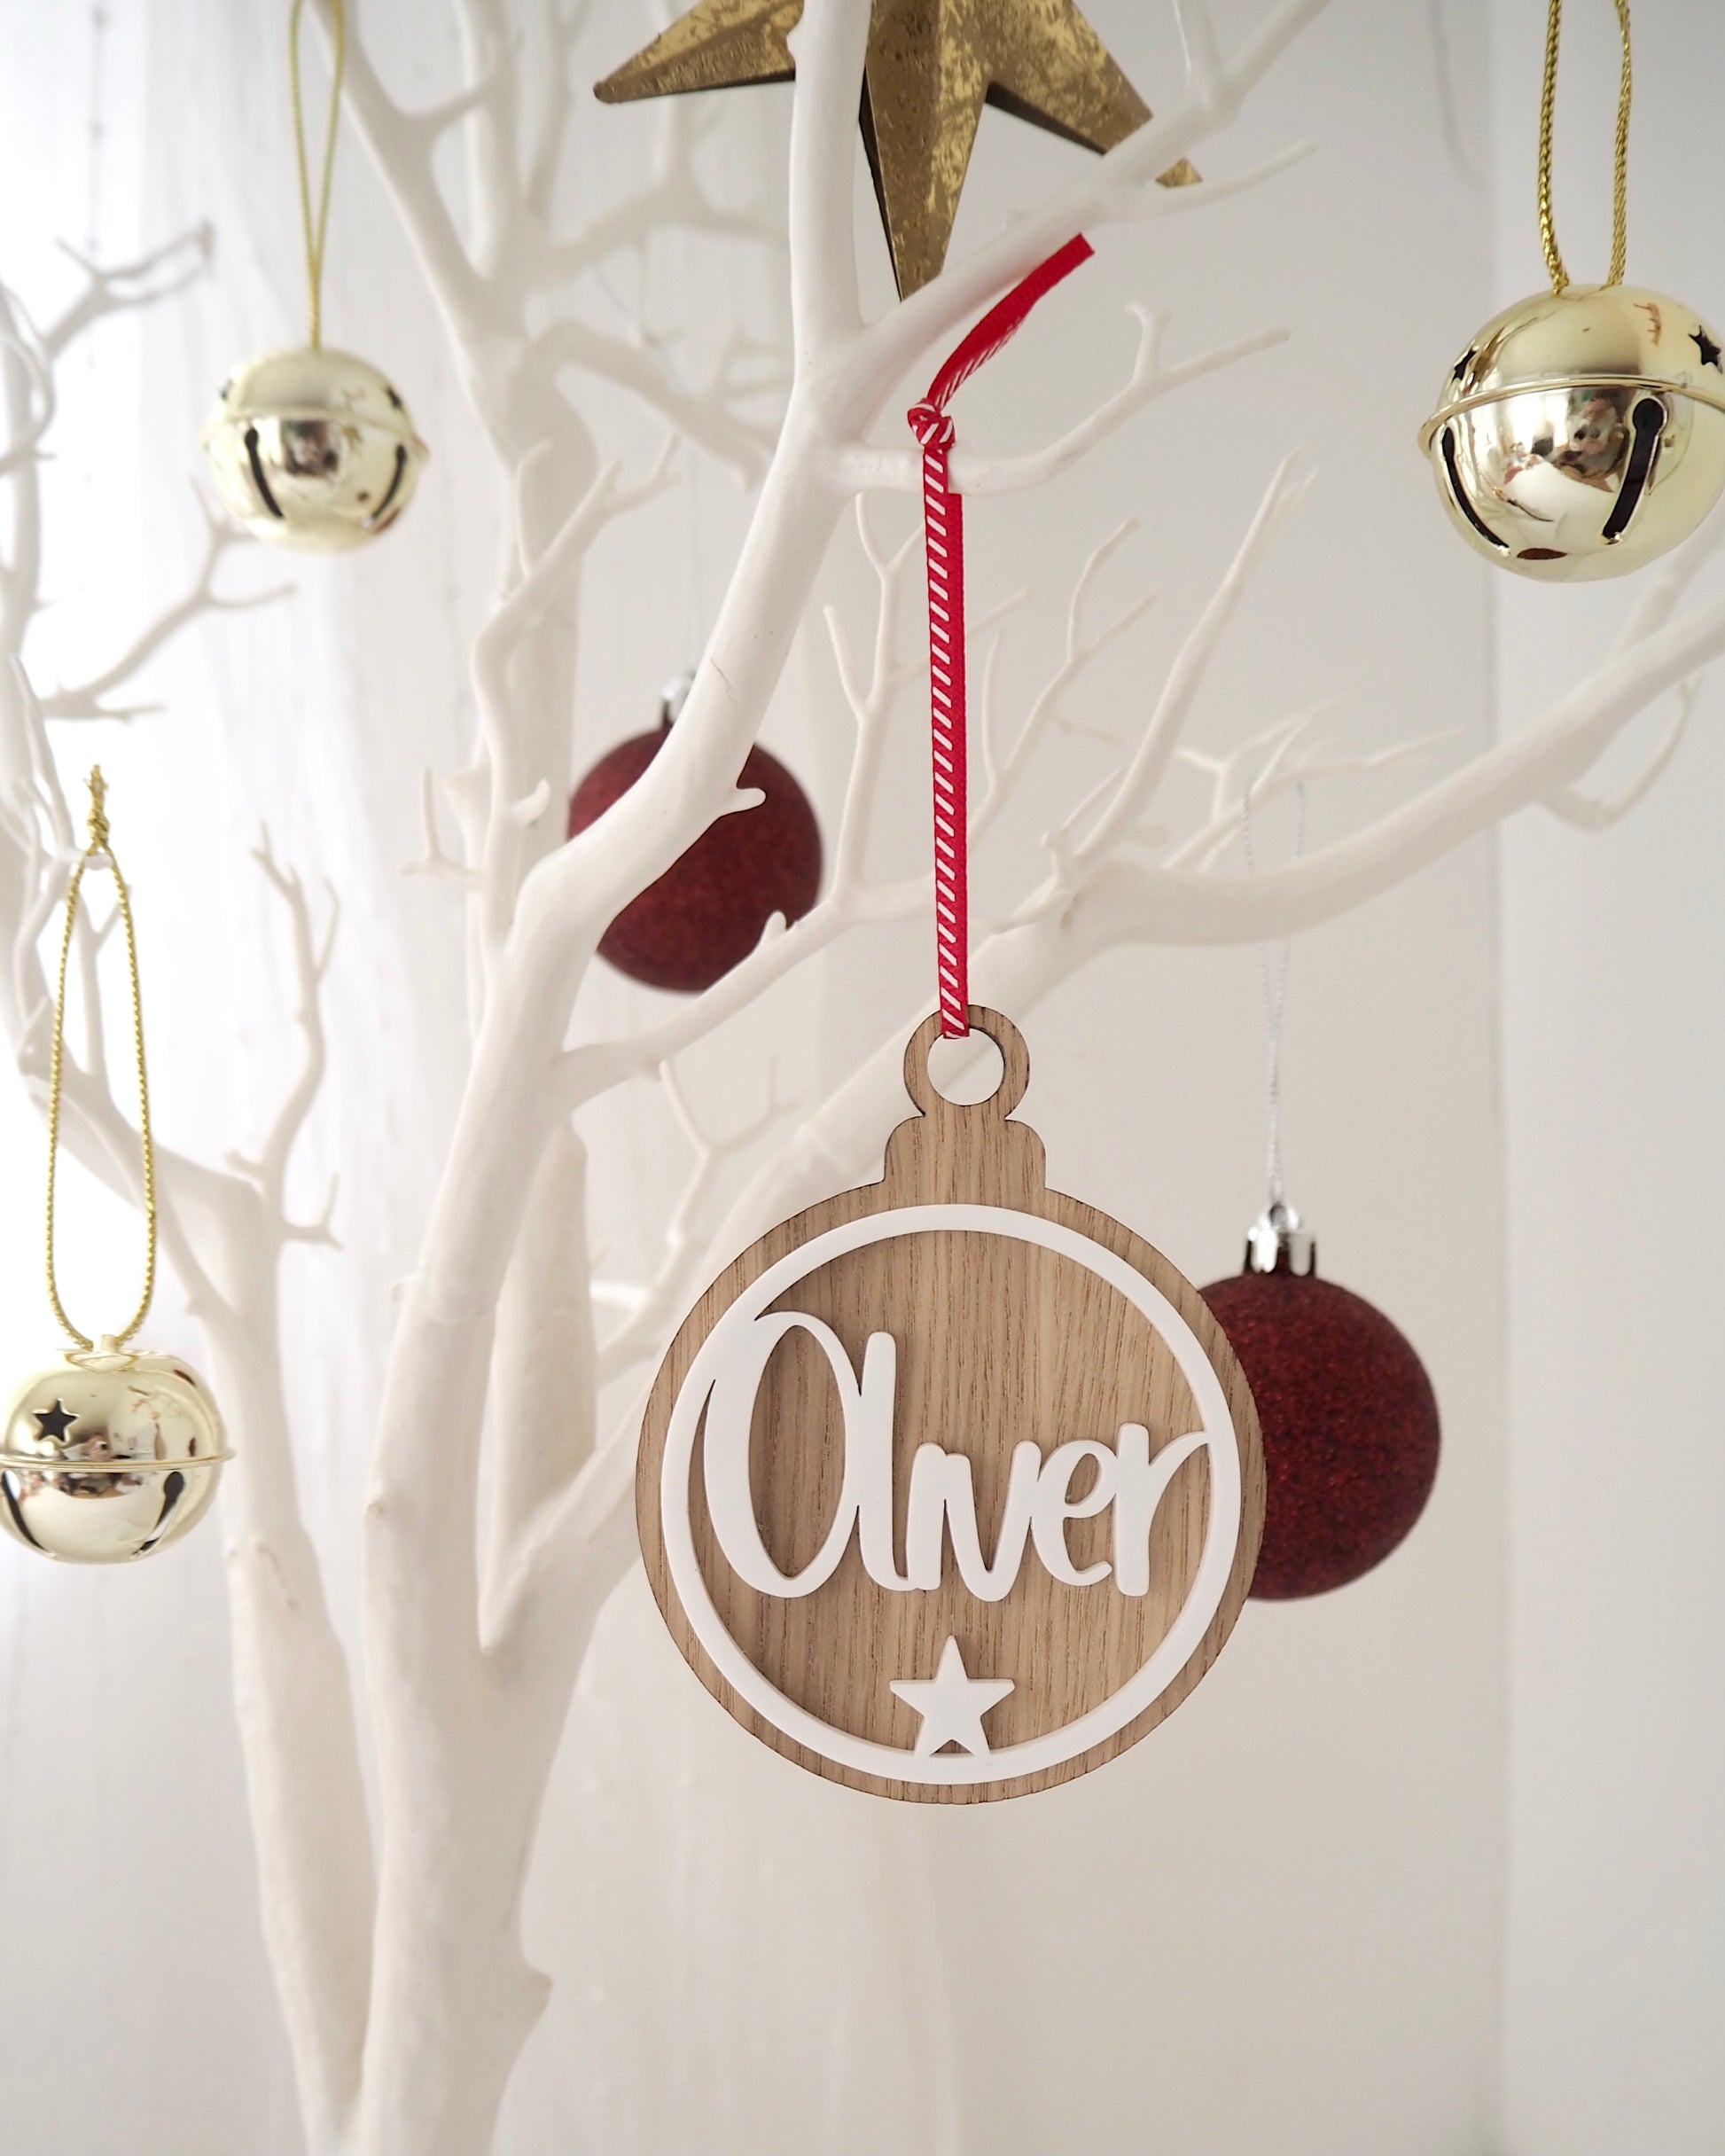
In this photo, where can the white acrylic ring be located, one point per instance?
(1054, 1747)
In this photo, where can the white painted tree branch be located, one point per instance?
(826, 313)
(1082, 645)
(88, 699)
(543, 577)
(433, 860)
(592, 1068)
(1276, 760)
(738, 443)
(1137, 900)
(563, 26)
(152, 277)
(428, 2085)
(312, 953)
(1150, 763)
(668, 1292)
(543, 1387)
(31, 400)
(900, 470)
(1584, 811)
(673, 200)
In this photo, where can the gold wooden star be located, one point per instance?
(932, 66)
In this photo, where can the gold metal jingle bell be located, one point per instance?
(1583, 433)
(109, 1454)
(312, 448)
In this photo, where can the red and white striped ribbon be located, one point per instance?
(943, 537)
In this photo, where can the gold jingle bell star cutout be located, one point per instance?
(932, 66)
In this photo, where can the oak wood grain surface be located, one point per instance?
(998, 1342)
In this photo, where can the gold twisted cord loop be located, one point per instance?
(315, 225)
(99, 850)
(1554, 260)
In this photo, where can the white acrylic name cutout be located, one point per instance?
(720, 1387)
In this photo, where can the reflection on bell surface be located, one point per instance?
(312, 448)
(1583, 433)
(108, 1455)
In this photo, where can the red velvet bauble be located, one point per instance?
(708, 910)
(1350, 1426)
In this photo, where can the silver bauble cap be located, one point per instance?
(1581, 433)
(312, 448)
(1277, 1243)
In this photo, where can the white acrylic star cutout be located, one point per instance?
(951, 1704)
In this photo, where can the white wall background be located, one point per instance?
(1275, 1928)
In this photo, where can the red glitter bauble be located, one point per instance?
(708, 910)
(1350, 1426)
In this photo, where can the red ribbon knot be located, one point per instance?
(932, 426)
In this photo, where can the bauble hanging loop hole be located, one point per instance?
(950, 1145)
(1015, 1066)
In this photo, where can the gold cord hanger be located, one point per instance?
(1554, 260)
(100, 852)
(315, 226)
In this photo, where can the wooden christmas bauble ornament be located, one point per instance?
(950, 1488)
(1581, 433)
(312, 448)
(706, 912)
(109, 1454)
(1348, 1413)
